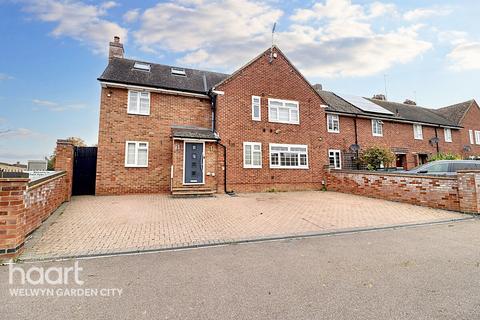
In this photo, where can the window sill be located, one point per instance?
(289, 168)
(138, 114)
(252, 167)
(333, 131)
(283, 122)
(378, 135)
(135, 166)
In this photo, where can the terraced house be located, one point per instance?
(169, 129)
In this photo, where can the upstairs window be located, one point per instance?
(377, 128)
(448, 135)
(136, 154)
(138, 102)
(283, 111)
(335, 159)
(288, 156)
(333, 123)
(470, 133)
(252, 155)
(418, 132)
(477, 137)
(256, 108)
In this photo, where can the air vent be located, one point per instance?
(178, 72)
(141, 66)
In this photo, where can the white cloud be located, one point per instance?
(55, 106)
(465, 56)
(226, 31)
(78, 20)
(19, 133)
(131, 15)
(330, 38)
(4, 76)
(454, 37)
(425, 13)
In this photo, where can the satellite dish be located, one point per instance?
(355, 147)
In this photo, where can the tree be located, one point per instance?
(376, 157)
(445, 156)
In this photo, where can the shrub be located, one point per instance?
(374, 157)
(445, 156)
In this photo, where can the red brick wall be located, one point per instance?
(395, 135)
(469, 191)
(235, 125)
(64, 157)
(117, 127)
(24, 207)
(434, 192)
(471, 121)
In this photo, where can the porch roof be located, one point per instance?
(181, 132)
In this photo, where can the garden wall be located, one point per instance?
(457, 193)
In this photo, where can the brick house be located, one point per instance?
(412, 132)
(169, 129)
(264, 127)
(466, 115)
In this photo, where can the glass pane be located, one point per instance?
(275, 103)
(256, 111)
(142, 145)
(274, 159)
(133, 103)
(256, 147)
(144, 104)
(248, 154)
(299, 149)
(303, 159)
(273, 113)
(283, 114)
(131, 153)
(279, 148)
(290, 105)
(142, 157)
(294, 115)
(257, 158)
(439, 167)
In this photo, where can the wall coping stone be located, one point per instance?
(409, 175)
(40, 182)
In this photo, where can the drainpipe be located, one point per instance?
(225, 168)
(436, 136)
(356, 142)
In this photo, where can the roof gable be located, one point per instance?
(456, 112)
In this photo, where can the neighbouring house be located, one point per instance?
(16, 167)
(466, 115)
(264, 127)
(412, 132)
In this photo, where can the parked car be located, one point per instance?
(445, 167)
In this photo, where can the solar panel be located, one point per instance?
(364, 104)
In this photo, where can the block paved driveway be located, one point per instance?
(109, 224)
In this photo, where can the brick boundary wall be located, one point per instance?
(24, 205)
(457, 193)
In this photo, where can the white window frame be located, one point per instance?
(289, 111)
(331, 118)
(289, 146)
(259, 105)
(252, 151)
(448, 134)
(379, 125)
(477, 137)
(417, 136)
(137, 144)
(337, 166)
(136, 111)
(472, 139)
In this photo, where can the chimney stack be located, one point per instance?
(318, 87)
(115, 49)
(380, 97)
(410, 102)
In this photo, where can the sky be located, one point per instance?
(53, 51)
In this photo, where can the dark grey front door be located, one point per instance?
(193, 162)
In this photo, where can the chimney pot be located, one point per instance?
(380, 97)
(318, 87)
(115, 49)
(410, 102)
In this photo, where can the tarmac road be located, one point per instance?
(427, 272)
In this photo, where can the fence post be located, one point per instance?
(64, 158)
(469, 191)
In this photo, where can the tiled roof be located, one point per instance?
(185, 132)
(455, 112)
(121, 70)
(400, 111)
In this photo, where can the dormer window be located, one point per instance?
(178, 72)
(141, 66)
